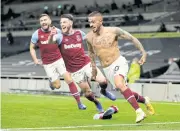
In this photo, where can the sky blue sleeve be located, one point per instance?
(58, 30)
(59, 38)
(83, 34)
(34, 38)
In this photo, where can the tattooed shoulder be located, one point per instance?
(119, 31)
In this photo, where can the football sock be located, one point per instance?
(138, 97)
(105, 92)
(74, 92)
(92, 98)
(128, 95)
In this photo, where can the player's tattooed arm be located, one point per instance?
(91, 53)
(92, 57)
(126, 35)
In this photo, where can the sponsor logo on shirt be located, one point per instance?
(72, 46)
(44, 42)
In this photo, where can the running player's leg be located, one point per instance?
(89, 95)
(101, 80)
(103, 84)
(118, 71)
(72, 86)
(128, 95)
(146, 101)
(80, 78)
(73, 89)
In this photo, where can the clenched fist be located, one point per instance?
(53, 31)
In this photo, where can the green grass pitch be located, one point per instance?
(47, 112)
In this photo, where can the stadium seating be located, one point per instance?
(150, 10)
(172, 17)
(19, 45)
(21, 64)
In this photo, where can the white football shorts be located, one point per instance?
(55, 69)
(118, 67)
(86, 73)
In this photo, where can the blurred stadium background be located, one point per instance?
(155, 22)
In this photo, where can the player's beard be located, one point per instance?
(47, 29)
(94, 31)
(97, 29)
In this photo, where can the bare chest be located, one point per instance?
(104, 41)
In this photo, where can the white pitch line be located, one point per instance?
(86, 126)
(163, 103)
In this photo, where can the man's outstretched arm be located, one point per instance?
(126, 35)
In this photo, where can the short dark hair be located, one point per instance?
(95, 13)
(44, 15)
(68, 16)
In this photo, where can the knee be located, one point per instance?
(67, 78)
(56, 85)
(121, 86)
(87, 92)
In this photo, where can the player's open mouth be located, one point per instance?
(94, 28)
(63, 27)
(44, 24)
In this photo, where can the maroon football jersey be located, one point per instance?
(72, 51)
(49, 52)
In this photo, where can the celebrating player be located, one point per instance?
(52, 60)
(103, 43)
(77, 63)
